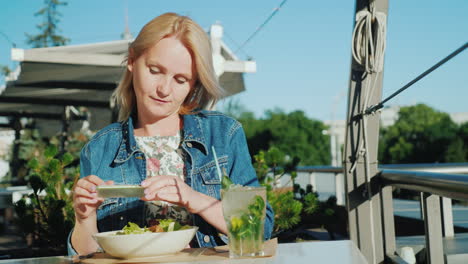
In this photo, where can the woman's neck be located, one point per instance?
(168, 126)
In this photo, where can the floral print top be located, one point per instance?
(164, 157)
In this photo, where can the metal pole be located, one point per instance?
(65, 126)
(14, 165)
(313, 181)
(339, 189)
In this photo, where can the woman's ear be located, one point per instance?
(130, 60)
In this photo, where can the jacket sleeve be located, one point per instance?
(242, 171)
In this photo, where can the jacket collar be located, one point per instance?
(128, 145)
(192, 133)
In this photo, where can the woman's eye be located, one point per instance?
(154, 70)
(181, 80)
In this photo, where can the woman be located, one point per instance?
(163, 141)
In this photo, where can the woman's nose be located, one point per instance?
(164, 87)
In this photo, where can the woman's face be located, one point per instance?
(162, 78)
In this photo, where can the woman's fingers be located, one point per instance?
(169, 197)
(79, 191)
(95, 179)
(156, 195)
(154, 184)
(109, 183)
(89, 183)
(85, 200)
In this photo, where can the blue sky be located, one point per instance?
(303, 54)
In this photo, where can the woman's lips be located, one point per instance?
(159, 100)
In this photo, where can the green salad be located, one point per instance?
(132, 229)
(162, 225)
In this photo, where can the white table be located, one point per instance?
(329, 252)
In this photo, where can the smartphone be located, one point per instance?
(108, 191)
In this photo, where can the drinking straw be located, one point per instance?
(216, 162)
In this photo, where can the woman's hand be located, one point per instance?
(85, 199)
(174, 190)
(171, 189)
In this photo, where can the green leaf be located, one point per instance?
(226, 182)
(311, 203)
(67, 158)
(33, 164)
(69, 185)
(132, 228)
(329, 212)
(50, 151)
(54, 166)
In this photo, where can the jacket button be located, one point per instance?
(189, 144)
(121, 218)
(206, 238)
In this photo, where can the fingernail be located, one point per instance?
(148, 197)
(146, 191)
(144, 183)
(93, 188)
(94, 194)
(94, 200)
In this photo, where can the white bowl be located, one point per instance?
(144, 245)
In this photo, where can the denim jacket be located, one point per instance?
(113, 154)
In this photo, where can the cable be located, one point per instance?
(380, 105)
(367, 175)
(8, 39)
(368, 41)
(262, 25)
(236, 44)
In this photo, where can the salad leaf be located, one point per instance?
(169, 225)
(132, 228)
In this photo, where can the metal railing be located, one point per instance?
(437, 183)
(453, 186)
(455, 168)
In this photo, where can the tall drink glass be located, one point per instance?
(244, 213)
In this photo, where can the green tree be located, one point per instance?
(48, 35)
(421, 134)
(463, 137)
(292, 133)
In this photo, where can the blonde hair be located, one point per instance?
(206, 90)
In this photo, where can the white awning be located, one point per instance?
(47, 79)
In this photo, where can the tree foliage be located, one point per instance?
(463, 136)
(291, 133)
(48, 29)
(422, 134)
(270, 166)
